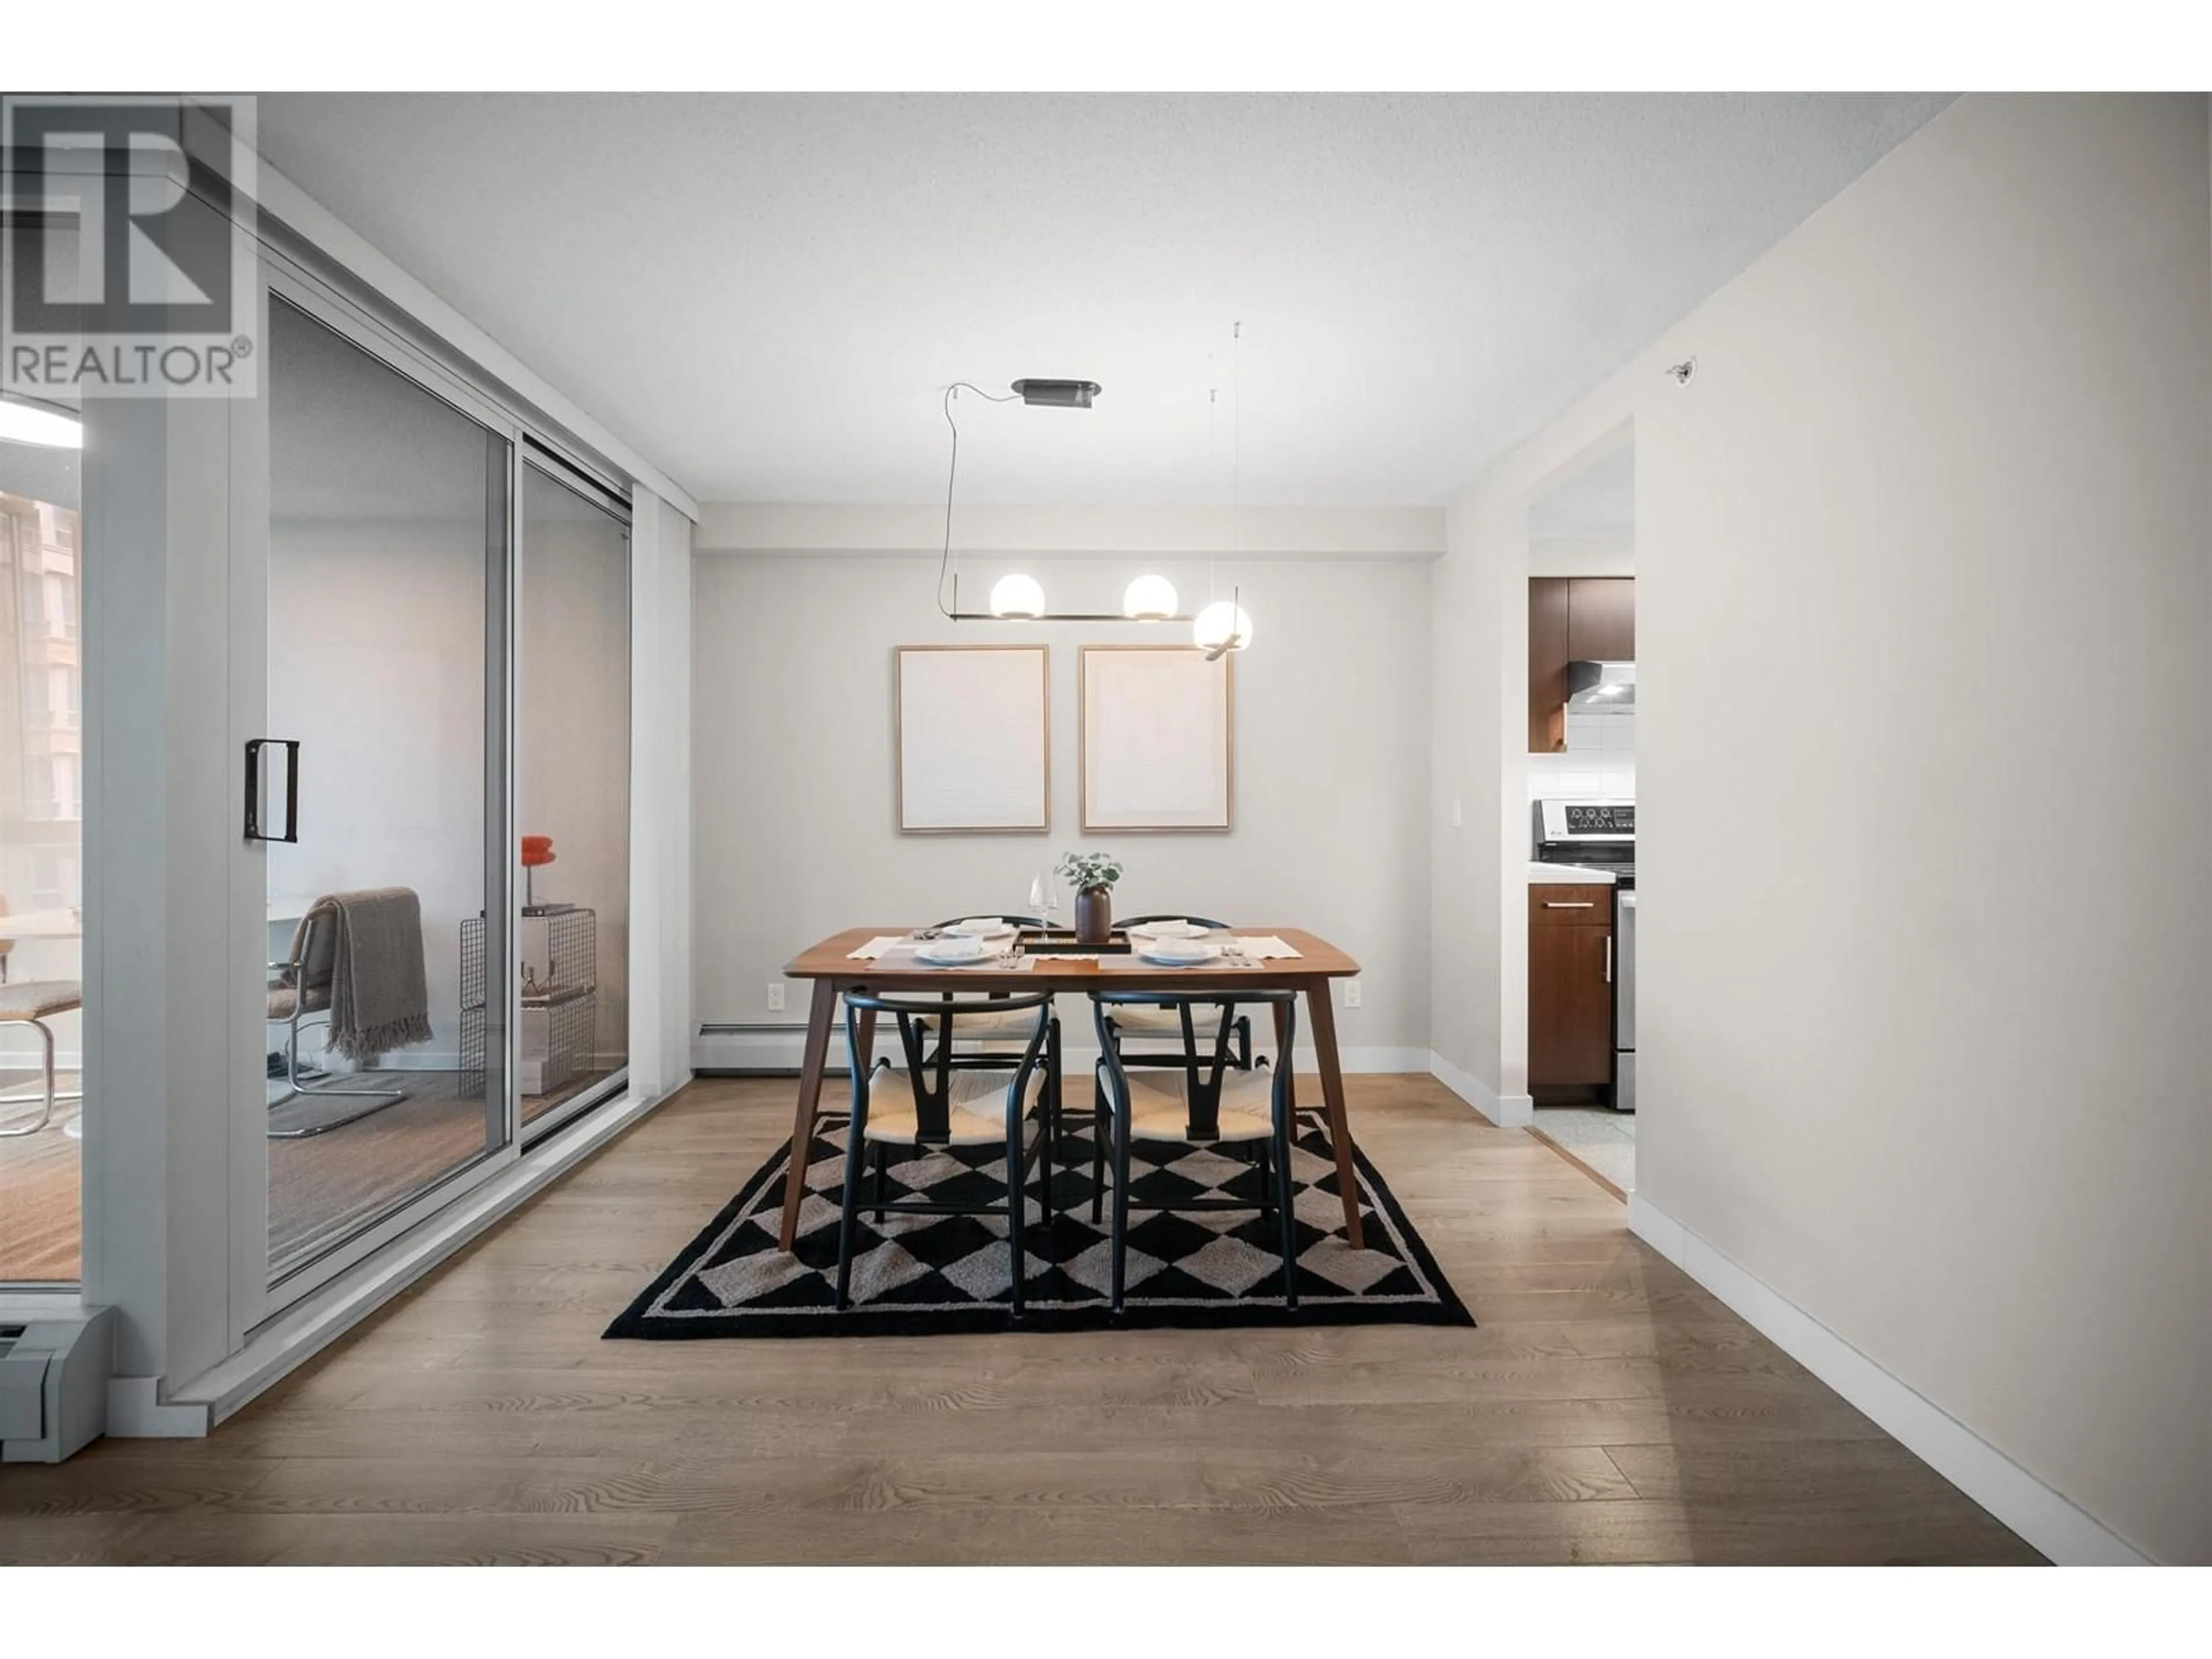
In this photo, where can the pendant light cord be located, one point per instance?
(952, 473)
(1236, 440)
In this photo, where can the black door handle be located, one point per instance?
(254, 779)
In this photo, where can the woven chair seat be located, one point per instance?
(1132, 1020)
(282, 998)
(1159, 1106)
(976, 1112)
(36, 999)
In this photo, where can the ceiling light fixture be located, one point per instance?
(1149, 598)
(25, 422)
(1222, 626)
(1057, 394)
(1017, 596)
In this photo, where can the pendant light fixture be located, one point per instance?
(1149, 598)
(1018, 596)
(1224, 625)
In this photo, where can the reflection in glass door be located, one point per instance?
(572, 792)
(388, 1022)
(41, 862)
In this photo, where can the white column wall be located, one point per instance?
(660, 796)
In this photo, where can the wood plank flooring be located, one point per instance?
(1607, 1410)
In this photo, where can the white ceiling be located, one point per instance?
(766, 293)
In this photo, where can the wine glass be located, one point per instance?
(1044, 898)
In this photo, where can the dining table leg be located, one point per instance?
(820, 1016)
(1322, 1013)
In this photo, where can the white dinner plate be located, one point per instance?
(953, 953)
(983, 927)
(1167, 930)
(1182, 953)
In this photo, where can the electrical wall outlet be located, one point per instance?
(775, 996)
(1459, 818)
(1352, 994)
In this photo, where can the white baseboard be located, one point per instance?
(780, 1049)
(2046, 1518)
(1506, 1111)
(136, 1411)
(298, 1334)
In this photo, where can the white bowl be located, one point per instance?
(983, 927)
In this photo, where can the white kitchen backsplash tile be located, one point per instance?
(1600, 762)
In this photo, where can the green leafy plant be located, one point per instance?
(1089, 872)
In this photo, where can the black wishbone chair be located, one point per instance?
(935, 1101)
(987, 1043)
(1159, 1023)
(1209, 1101)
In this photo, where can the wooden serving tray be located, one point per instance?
(1061, 942)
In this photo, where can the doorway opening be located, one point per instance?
(1581, 774)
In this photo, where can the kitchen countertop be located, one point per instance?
(1565, 874)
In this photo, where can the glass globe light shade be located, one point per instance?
(1149, 598)
(1223, 623)
(1017, 596)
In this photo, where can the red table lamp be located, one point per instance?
(536, 850)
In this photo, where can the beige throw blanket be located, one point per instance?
(367, 948)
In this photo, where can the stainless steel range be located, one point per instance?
(1601, 835)
(1598, 835)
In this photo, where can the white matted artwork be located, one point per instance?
(973, 739)
(1156, 729)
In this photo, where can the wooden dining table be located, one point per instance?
(834, 970)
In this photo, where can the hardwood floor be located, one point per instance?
(1607, 1410)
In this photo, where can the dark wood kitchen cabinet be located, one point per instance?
(1573, 619)
(1570, 986)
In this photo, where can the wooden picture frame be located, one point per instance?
(971, 740)
(1156, 740)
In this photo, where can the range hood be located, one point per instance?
(1601, 684)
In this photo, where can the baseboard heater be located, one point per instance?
(53, 1384)
(765, 1038)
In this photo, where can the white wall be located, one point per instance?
(793, 759)
(1582, 555)
(1943, 471)
(661, 865)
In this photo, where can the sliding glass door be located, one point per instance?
(572, 791)
(41, 830)
(377, 787)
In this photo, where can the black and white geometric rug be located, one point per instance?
(918, 1275)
